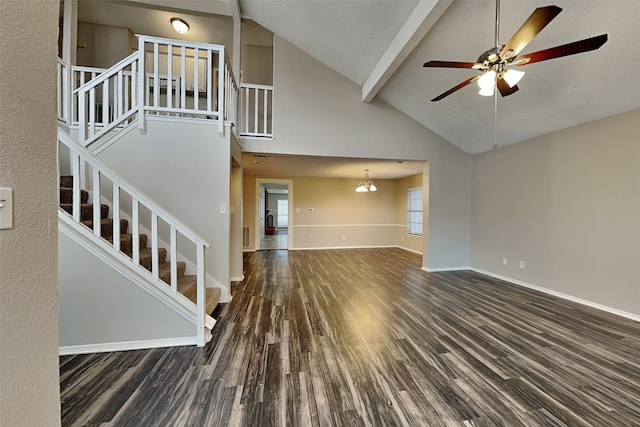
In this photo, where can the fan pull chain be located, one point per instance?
(495, 120)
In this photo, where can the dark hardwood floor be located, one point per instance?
(364, 337)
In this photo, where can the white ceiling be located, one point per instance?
(360, 39)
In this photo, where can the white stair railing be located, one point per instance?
(127, 200)
(108, 100)
(197, 87)
(80, 76)
(231, 94)
(256, 107)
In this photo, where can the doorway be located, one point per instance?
(274, 214)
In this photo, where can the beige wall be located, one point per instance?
(105, 45)
(568, 205)
(29, 385)
(340, 216)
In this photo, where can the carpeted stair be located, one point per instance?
(186, 283)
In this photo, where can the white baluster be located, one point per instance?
(92, 113)
(220, 82)
(183, 79)
(116, 217)
(135, 231)
(246, 109)
(170, 76)
(154, 245)
(119, 93)
(105, 103)
(75, 170)
(264, 111)
(200, 270)
(156, 77)
(209, 78)
(256, 111)
(96, 202)
(174, 259)
(196, 83)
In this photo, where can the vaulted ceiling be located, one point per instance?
(381, 45)
(352, 37)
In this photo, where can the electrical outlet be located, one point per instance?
(344, 237)
(505, 261)
(522, 265)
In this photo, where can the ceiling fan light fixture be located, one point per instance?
(512, 77)
(487, 91)
(487, 83)
(179, 25)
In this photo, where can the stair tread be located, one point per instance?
(126, 242)
(187, 286)
(86, 210)
(164, 271)
(66, 195)
(106, 227)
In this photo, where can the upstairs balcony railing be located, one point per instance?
(163, 77)
(256, 110)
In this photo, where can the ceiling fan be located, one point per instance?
(495, 63)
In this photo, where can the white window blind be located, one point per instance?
(414, 211)
(283, 213)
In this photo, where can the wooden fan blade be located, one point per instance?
(455, 88)
(580, 46)
(504, 88)
(451, 64)
(531, 27)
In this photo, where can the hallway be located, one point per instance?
(275, 241)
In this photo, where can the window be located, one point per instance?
(283, 213)
(414, 211)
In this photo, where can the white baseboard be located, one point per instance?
(237, 279)
(342, 247)
(409, 250)
(126, 345)
(441, 269)
(572, 298)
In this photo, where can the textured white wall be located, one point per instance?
(319, 112)
(29, 387)
(567, 204)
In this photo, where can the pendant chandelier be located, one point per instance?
(366, 185)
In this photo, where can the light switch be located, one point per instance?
(223, 209)
(6, 208)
